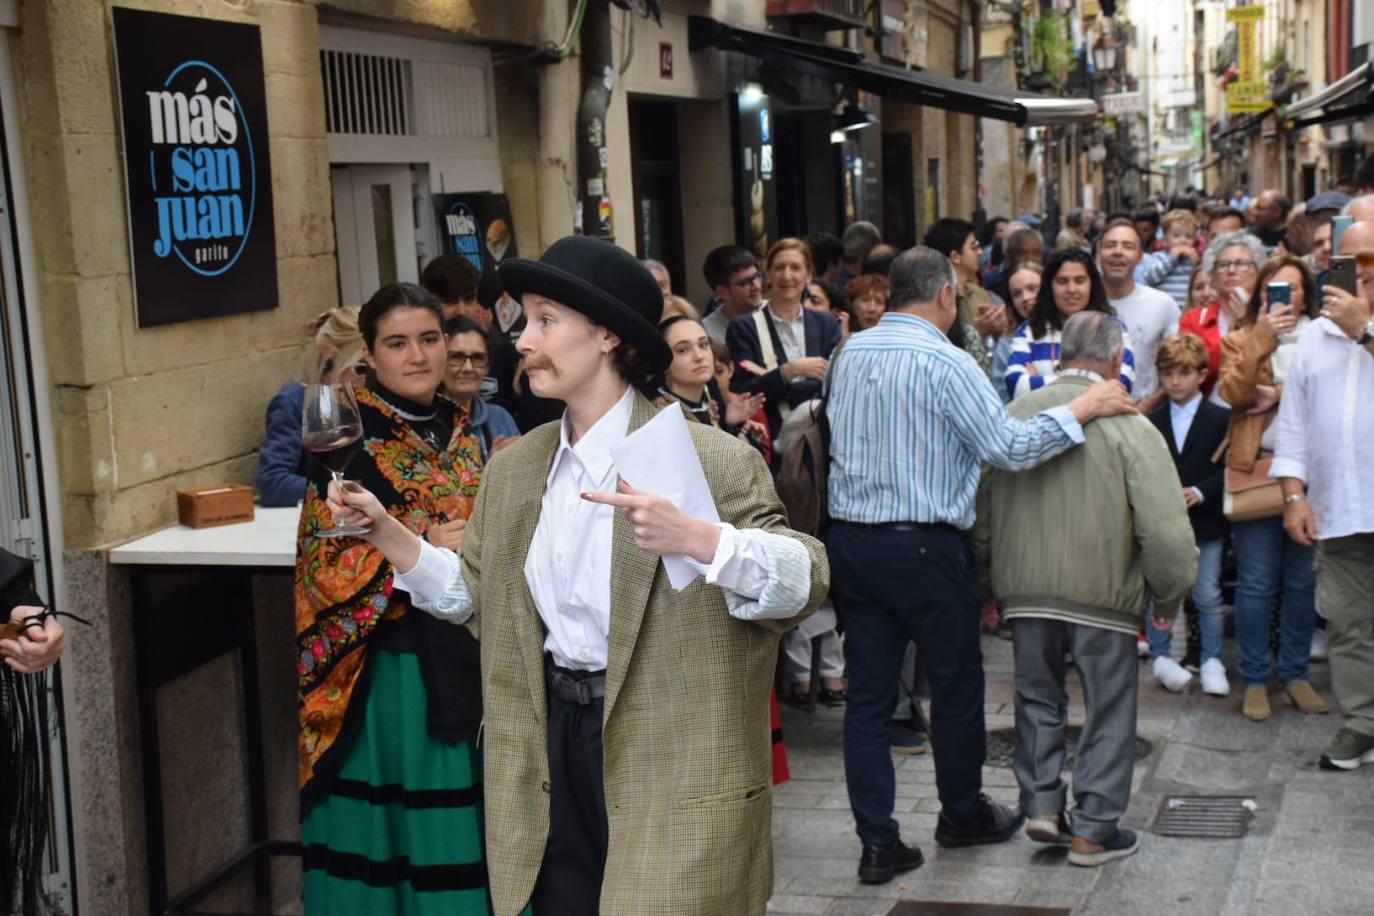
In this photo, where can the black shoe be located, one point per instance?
(797, 700)
(879, 864)
(833, 698)
(990, 823)
(1192, 659)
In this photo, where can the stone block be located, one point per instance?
(47, 183)
(295, 106)
(169, 347)
(178, 421)
(290, 38)
(85, 460)
(305, 287)
(302, 200)
(96, 204)
(82, 317)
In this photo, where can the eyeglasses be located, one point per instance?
(752, 279)
(1242, 264)
(457, 359)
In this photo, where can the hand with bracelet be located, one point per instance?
(1298, 518)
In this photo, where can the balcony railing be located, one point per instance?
(827, 14)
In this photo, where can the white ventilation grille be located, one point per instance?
(367, 94)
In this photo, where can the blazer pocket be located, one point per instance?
(733, 797)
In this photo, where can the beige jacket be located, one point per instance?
(1245, 365)
(687, 736)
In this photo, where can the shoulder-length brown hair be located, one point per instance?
(1273, 266)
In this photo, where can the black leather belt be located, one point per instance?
(904, 526)
(580, 687)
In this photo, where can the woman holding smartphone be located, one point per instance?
(1254, 363)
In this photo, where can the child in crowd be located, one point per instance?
(1194, 429)
(1169, 269)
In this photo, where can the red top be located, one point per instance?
(1205, 322)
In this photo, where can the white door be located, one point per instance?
(374, 228)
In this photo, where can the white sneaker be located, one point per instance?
(1321, 646)
(1171, 674)
(1214, 678)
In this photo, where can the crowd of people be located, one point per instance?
(1152, 422)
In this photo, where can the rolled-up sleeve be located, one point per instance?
(436, 584)
(1290, 435)
(765, 576)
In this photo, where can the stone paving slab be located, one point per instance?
(1308, 849)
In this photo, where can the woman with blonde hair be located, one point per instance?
(334, 353)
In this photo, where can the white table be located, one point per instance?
(268, 540)
(193, 602)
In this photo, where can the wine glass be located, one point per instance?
(332, 432)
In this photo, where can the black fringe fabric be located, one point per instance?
(23, 790)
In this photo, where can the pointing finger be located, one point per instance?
(621, 500)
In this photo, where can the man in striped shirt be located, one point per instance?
(912, 418)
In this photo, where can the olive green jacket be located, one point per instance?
(1092, 535)
(686, 734)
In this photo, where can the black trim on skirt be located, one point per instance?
(392, 872)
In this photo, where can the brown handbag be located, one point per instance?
(1253, 495)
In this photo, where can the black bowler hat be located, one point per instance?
(602, 281)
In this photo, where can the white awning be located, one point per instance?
(1349, 91)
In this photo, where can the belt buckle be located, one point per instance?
(584, 692)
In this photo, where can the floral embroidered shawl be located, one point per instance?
(344, 585)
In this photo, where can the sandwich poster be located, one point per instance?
(478, 227)
(198, 180)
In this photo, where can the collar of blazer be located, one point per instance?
(633, 571)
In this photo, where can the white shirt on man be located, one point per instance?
(1325, 429)
(1150, 315)
(568, 567)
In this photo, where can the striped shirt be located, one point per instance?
(1042, 354)
(912, 418)
(1167, 274)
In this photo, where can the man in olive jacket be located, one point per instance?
(1078, 549)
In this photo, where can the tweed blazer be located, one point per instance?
(686, 733)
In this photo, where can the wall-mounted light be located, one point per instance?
(853, 117)
(752, 93)
(837, 136)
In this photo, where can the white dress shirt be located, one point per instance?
(1325, 429)
(791, 333)
(568, 567)
(1181, 418)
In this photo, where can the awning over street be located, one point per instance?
(916, 86)
(1348, 98)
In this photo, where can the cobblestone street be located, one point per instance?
(1307, 849)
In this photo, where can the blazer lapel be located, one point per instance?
(1169, 428)
(633, 572)
(532, 479)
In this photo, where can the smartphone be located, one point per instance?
(1338, 226)
(1343, 273)
(1280, 294)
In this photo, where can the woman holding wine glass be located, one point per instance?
(389, 696)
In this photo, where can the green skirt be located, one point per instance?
(400, 831)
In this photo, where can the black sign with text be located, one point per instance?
(196, 168)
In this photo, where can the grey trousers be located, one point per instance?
(1345, 595)
(1105, 756)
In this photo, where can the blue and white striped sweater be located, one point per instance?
(1042, 354)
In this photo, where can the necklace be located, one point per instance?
(413, 418)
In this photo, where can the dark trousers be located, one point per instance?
(891, 587)
(574, 863)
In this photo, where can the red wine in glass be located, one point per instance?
(332, 432)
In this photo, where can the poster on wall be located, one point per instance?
(197, 178)
(478, 227)
(757, 208)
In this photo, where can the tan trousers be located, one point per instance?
(1345, 597)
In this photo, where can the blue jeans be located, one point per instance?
(891, 587)
(1207, 602)
(1265, 558)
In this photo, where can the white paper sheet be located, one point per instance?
(660, 458)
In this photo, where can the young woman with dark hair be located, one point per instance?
(389, 696)
(1072, 284)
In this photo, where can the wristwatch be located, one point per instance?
(1367, 334)
(1295, 498)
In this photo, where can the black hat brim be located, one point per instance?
(522, 276)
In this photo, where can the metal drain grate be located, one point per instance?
(1215, 817)
(1001, 745)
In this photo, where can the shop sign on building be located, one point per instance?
(1248, 92)
(197, 177)
(1121, 103)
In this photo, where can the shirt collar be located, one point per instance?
(801, 314)
(593, 450)
(1330, 327)
(1080, 373)
(1186, 409)
(910, 320)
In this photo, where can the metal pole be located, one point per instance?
(598, 80)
